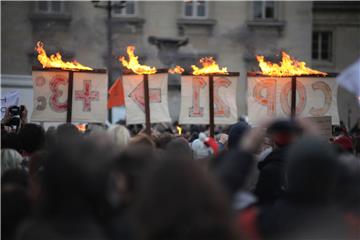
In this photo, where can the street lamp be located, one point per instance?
(109, 6)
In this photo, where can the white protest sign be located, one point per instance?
(323, 125)
(135, 102)
(195, 100)
(90, 97)
(51, 93)
(9, 99)
(270, 97)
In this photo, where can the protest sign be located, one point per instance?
(9, 99)
(323, 125)
(269, 97)
(195, 99)
(135, 100)
(89, 95)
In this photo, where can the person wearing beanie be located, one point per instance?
(201, 150)
(305, 210)
(271, 178)
(236, 132)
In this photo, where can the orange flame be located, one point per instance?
(176, 70)
(287, 67)
(55, 60)
(179, 130)
(209, 66)
(81, 127)
(133, 63)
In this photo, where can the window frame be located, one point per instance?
(319, 58)
(123, 12)
(194, 11)
(49, 7)
(263, 11)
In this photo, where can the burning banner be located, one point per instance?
(196, 100)
(145, 91)
(291, 89)
(68, 91)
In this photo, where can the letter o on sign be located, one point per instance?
(300, 101)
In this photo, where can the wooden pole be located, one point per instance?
(211, 105)
(109, 50)
(147, 104)
(70, 97)
(293, 98)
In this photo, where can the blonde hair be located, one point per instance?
(120, 135)
(10, 159)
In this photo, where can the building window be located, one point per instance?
(129, 8)
(195, 9)
(322, 46)
(50, 7)
(264, 10)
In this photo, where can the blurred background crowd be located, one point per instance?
(279, 180)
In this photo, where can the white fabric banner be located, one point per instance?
(195, 100)
(51, 92)
(350, 79)
(9, 99)
(135, 102)
(90, 97)
(270, 97)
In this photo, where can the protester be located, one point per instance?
(10, 159)
(236, 132)
(142, 139)
(120, 135)
(127, 175)
(271, 177)
(74, 182)
(179, 147)
(201, 149)
(31, 139)
(347, 193)
(305, 210)
(273, 181)
(181, 202)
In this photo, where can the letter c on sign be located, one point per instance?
(269, 85)
(322, 86)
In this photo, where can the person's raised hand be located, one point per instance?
(254, 138)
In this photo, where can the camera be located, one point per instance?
(15, 111)
(15, 116)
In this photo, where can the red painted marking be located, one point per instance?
(56, 93)
(87, 96)
(198, 82)
(137, 95)
(221, 109)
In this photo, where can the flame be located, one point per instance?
(176, 70)
(55, 60)
(81, 127)
(133, 63)
(209, 66)
(179, 130)
(287, 67)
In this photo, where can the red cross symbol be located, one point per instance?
(87, 96)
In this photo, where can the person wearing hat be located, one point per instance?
(271, 178)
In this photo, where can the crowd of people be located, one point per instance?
(278, 180)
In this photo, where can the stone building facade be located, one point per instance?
(326, 35)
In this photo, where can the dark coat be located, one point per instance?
(288, 219)
(271, 178)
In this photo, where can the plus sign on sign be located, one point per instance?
(89, 96)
